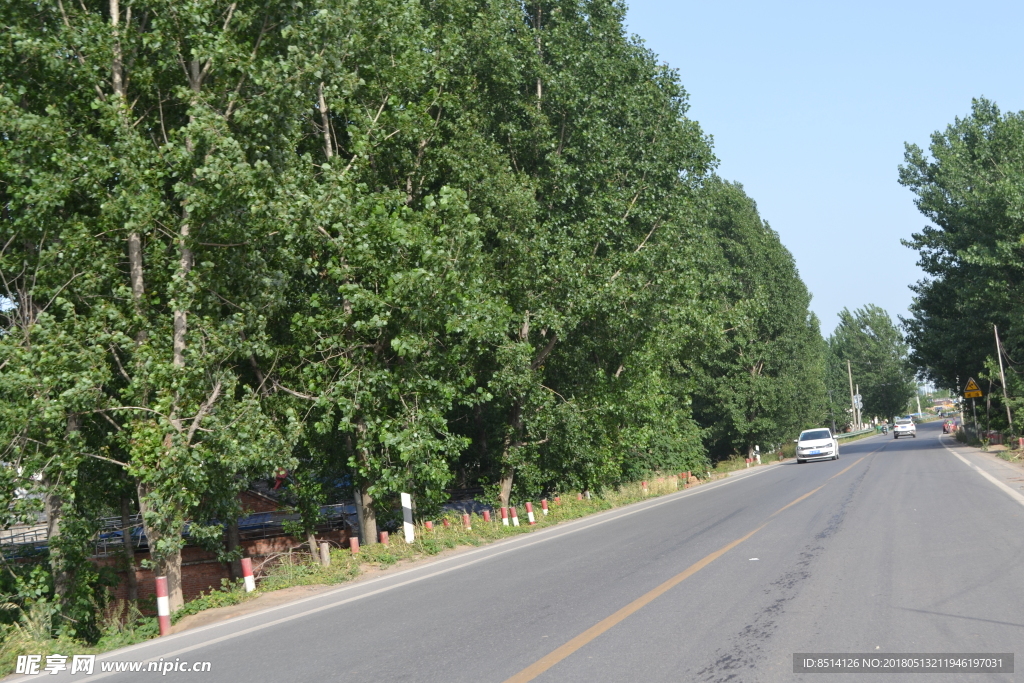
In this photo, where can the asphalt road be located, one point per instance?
(897, 547)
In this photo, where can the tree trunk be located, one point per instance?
(314, 547)
(325, 123)
(367, 516)
(232, 540)
(168, 564)
(53, 505)
(506, 486)
(129, 549)
(512, 441)
(116, 69)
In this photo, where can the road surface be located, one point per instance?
(897, 547)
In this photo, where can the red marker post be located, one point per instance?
(247, 577)
(544, 506)
(515, 517)
(353, 543)
(466, 523)
(529, 514)
(163, 606)
(504, 516)
(487, 515)
(384, 538)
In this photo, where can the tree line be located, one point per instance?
(968, 184)
(374, 247)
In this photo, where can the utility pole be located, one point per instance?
(959, 400)
(1002, 377)
(831, 412)
(860, 422)
(853, 402)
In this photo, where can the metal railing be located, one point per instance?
(111, 537)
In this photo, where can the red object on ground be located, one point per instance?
(384, 538)
(163, 606)
(487, 515)
(544, 505)
(247, 577)
(579, 496)
(447, 523)
(465, 522)
(429, 526)
(558, 500)
(515, 517)
(529, 513)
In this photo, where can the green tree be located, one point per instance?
(968, 184)
(764, 379)
(878, 357)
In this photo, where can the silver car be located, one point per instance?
(904, 427)
(816, 444)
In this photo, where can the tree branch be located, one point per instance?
(203, 410)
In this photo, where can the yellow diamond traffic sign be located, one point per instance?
(972, 390)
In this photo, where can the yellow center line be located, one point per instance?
(803, 497)
(548, 661)
(850, 467)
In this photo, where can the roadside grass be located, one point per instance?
(1011, 456)
(124, 625)
(739, 462)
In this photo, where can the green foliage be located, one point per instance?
(970, 185)
(228, 594)
(878, 354)
(385, 246)
(764, 379)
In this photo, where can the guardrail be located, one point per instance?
(858, 433)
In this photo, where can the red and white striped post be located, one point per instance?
(247, 577)
(447, 523)
(429, 525)
(558, 500)
(515, 517)
(643, 487)
(504, 516)
(544, 505)
(163, 606)
(487, 515)
(466, 523)
(529, 513)
(384, 538)
(353, 543)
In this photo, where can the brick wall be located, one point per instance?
(257, 502)
(200, 570)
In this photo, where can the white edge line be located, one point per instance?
(1006, 489)
(548, 534)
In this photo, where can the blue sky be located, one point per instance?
(810, 105)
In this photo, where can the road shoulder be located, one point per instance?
(1007, 476)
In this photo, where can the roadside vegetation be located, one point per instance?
(966, 182)
(354, 249)
(122, 624)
